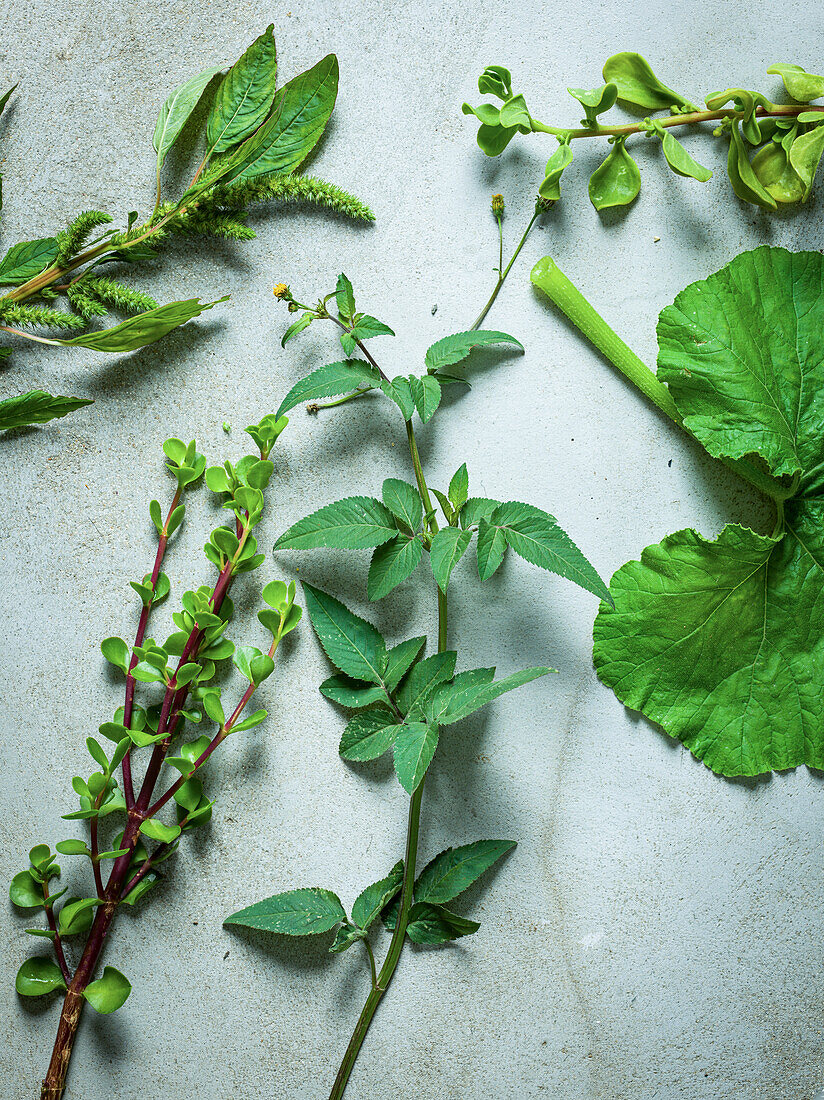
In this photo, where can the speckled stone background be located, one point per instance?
(657, 933)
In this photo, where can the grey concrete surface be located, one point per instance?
(656, 935)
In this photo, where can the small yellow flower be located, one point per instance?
(281, 291)
(497, 204)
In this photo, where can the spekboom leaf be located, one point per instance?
(722, 642)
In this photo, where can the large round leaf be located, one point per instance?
(722, 642)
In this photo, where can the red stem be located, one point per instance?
(58, 943)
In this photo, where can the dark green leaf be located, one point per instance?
(491, 549)
(448, 546)
(391, 564)
(403, 501)
(398, 389)
(426, 393)
(476, 509)
(452, 702)
(415, 744)
(351, 693)
(368, 735)
(329, 381)
(37, 407)
(244, 96)
(25, 260)
(294, 913)
(143, 329)
(454, 349)
(176, 112)
(451, 872)
(432, 924)
(368, 905)
(299, 116)
(345, 936)
(423, 678)
(399, 660)
(354, 523)
(536, 536)
(351, 644)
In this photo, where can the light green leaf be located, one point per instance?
(38, 976)
(491, 549)
(351, 644)
(448, 546)
(116, 652)
(617, 181)
(773, 170)
(370, 902)
(25, 260)
(745, 183)
(722, 642)
(415, 744)
(426, 393)
(403, 501)
(459, 487)
(176, 112)
(559, 161)
(399, 660)
(354, 523)
(638, 85)
(805, 156)
(244, 96)
(452, 702)
(76, 916)
(143, 329)
(432, 924)
(109, 992)
(424, 678)
(295, 913)
(156, 830)
(680, 161)
(329, 381)
(368, 735)
(595, 100)
(536, 536)
(455, 869)
(299, 116)
(801, 85)
(37, 407)
(455, 348)
(24, 892)
(391, 564)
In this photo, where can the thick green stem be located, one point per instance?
(381, 984)
(548, 277)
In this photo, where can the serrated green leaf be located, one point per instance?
(351, 644)
(399, 660)
(345, 298)
(535, 536)
(426, 393)
(455, 869)
(143, 329)
(391, 564)
(455, 348)
(722, 641)
(448, 546)
(351, 693)
(459, 487)
(305, 912)
(368, 735)
(25, 260)
(425, 677)
(432, 924)
(354, 523)
(38, 976)
(109, 991)
(491, 549)
(244, 96)
(415, 744)
(37, 407)
(398, 389)
(330, 381)
(452, 702)
(403, 501)
(345, 936)
(299, 115)
(176, 112)
(371, 901)
(476, 509)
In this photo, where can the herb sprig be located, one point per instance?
(774, 148)
(255, 137)
(401, 700)
(169, 687)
